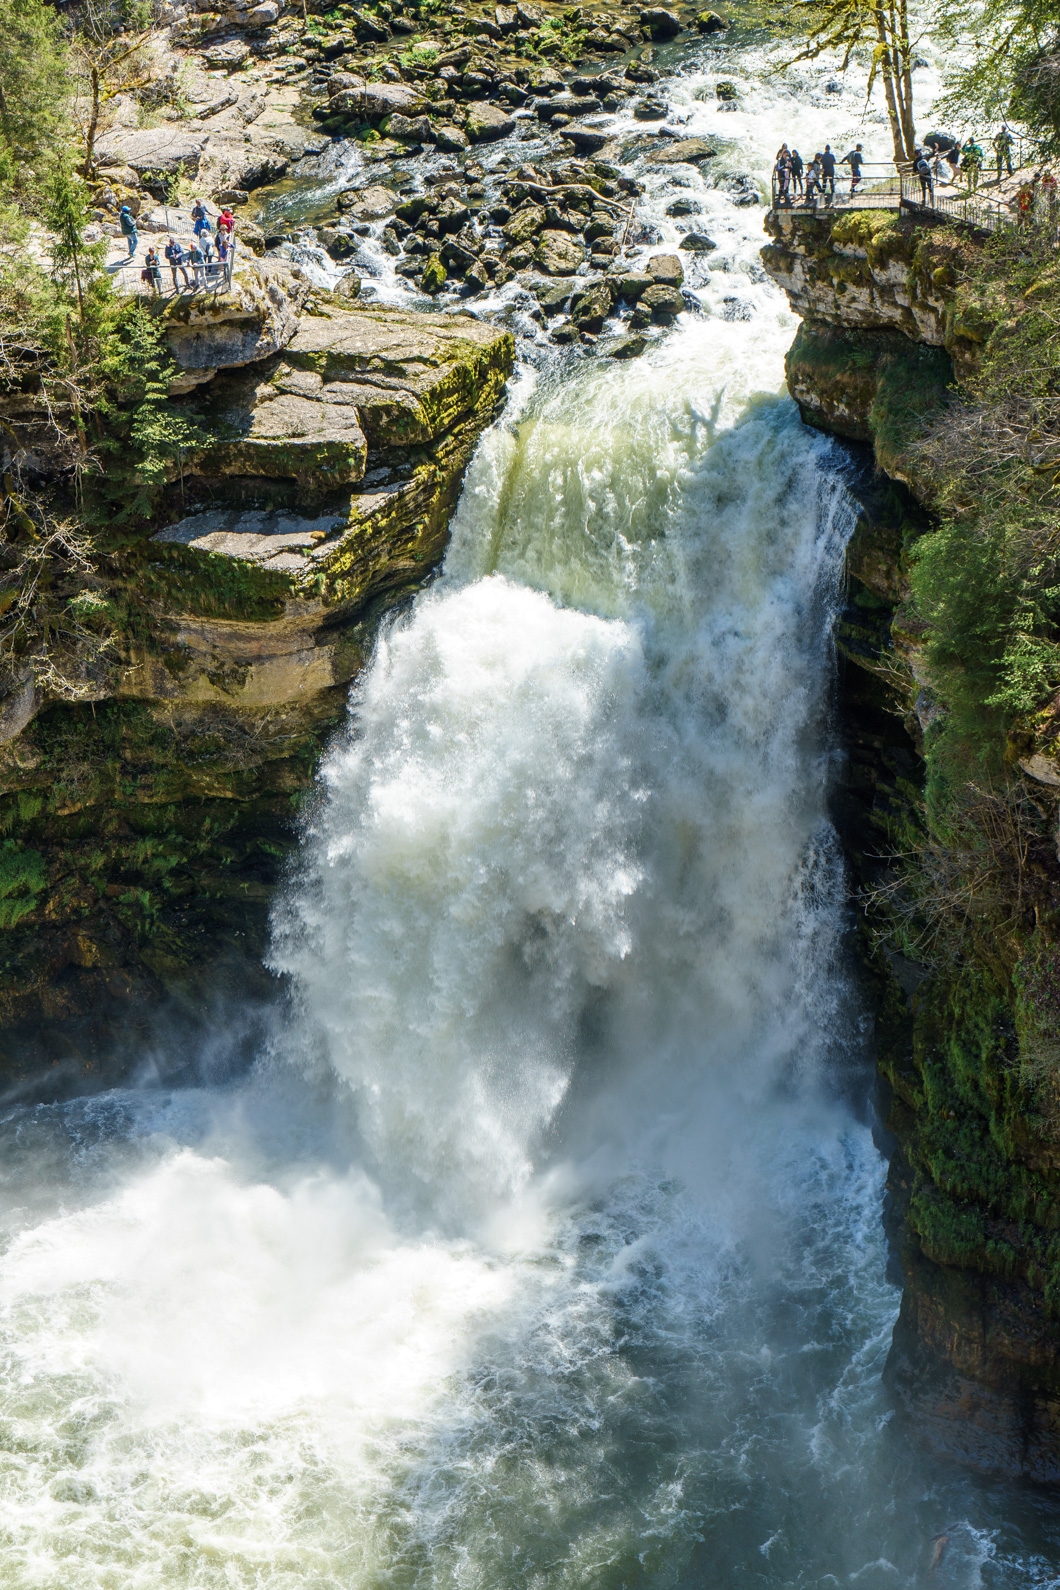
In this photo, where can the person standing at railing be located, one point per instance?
(151, 272)
(923, 171)
(205, 237)
(827, 161)
(127, 222)
(222, 255)
(226, 222)
(198, 264)
(797, 169)
(175, 256)
(813, 179)
(782, 175)
(855, 160)
(1003, 150)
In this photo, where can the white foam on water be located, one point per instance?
(534, 1253)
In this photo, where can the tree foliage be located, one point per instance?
(878, 29)
(35, 89)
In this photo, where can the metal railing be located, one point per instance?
(969, 206)
(878, 181)
(212, 277)
(885, 186)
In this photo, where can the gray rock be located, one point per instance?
(627, 347)
(630, 286)
(450, 139)
(682, 207)
(590, 308)
(697, 243)
(553, 296)
(585, 138)
(660, 23)
(368, 204)
(650, 110)
(171, 149)
(664, 302)
(410, 129)
(486, 123)
(711, 22)
(569, 105)
(525, 224)
(559, 254)
(208, 332)
(666, 268)
(678, 149)
(374, 101)
(506, 18)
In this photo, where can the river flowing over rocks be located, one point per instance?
(540, 1245)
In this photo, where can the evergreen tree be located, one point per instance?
(35, 90)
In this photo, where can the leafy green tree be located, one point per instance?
(35, 90)
(881, 27)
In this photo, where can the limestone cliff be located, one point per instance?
(145, 819)
(974, 1182)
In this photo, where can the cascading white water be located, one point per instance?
(537, 1251)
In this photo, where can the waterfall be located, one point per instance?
(538, 1249)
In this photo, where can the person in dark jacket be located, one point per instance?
(855, 160)
(175, 256)
(127, 222)
(151, 272)
(797, 169)
(922, 167)
(827, 171)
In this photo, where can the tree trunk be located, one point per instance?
(88, 169)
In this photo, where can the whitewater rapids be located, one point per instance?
(542, 1246)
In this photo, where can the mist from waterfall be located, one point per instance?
(542, 1245)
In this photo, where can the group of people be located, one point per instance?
(207, 256)
(939, 150)
(793, 177)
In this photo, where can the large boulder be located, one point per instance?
(666, 268)
(285, 426)
(172, 150)
(524, 224)
(486, 123)
(373, 101)
(675, 150)
(368, 204)
(585, 138)
(664, 302)
(567, 105)
(558, 253)
(660, 23)
(207, 332)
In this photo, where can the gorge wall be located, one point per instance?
(148, 793)
(974, 1182)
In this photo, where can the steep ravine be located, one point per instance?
(973, 1185)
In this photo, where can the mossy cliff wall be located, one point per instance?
(142, 824)
(974, 1184)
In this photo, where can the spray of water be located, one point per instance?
(533, 1253)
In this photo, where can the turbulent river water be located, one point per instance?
(541, 1246)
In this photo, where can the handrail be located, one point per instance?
(214, 277)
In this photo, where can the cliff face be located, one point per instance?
(146, 817)
(974, 1184)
